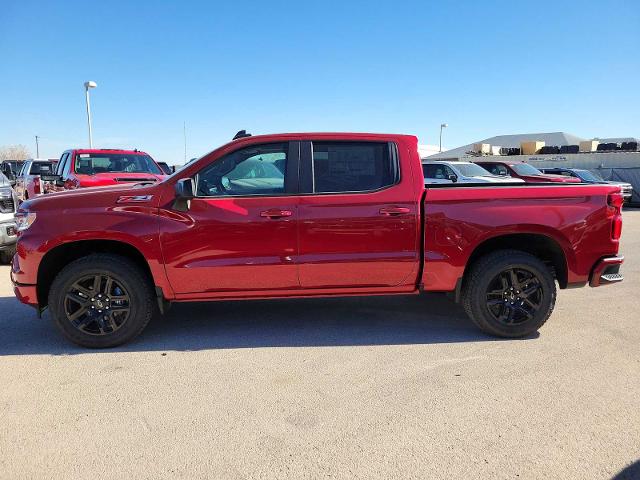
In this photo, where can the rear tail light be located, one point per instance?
(615, 201)
(37, 187)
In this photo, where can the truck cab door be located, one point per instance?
(359, 218)
(239, 234)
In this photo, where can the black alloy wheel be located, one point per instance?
(102, 300)
(509, 293)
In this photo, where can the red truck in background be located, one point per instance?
(306, 215)
(99, 167)
(523, 170)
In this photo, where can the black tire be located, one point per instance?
(507, 306)
(125, 306)
(7, 255)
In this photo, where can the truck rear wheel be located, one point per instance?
(101, 301)
(509, 293)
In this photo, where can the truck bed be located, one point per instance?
(461, 221)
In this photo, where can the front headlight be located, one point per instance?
(5, 192)
(24, 220)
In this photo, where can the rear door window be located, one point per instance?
(353, 166)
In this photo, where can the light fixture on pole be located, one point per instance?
(87, 86)
(442, 125)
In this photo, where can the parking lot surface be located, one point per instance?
(385, 387)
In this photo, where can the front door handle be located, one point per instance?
(394, 211)
(276, 213)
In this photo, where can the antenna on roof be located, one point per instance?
(241, 134)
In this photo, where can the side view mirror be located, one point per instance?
(453, 178)
(184, 193)
(59, 181)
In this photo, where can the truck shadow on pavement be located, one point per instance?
(355, 321)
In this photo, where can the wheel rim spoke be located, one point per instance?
(77, 314)
(108, 286)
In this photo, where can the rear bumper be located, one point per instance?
(606, 272)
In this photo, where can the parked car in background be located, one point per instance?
(436, 172)
(587, 176)
(10, 169)
(349, 215)
(8, 204)
(80, 168)
(166, 168)
(30, 181)
(524, 171)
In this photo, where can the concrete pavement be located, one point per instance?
(394, 387)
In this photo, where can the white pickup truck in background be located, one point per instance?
(461, 172)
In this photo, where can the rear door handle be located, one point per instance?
(276, 213)
(394, 211)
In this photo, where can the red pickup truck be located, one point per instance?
(524, 171)
(304, 215)
(79, 168)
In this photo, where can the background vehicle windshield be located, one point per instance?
(472, 170)
(525, 169)
(588, 176)
(93, 163)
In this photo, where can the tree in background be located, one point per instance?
(14, 152)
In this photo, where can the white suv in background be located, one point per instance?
(461, 172)
(8, 203)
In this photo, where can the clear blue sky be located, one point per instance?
(486, 68)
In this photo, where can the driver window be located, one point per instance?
(255, 170)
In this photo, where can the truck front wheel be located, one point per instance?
(101, 301)
(509, 293)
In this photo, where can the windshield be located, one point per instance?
(588, 176)
(472, 170)
(525, 169)
(93, 163)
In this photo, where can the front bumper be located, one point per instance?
(606, 271)
(8, 237)
(25, 293)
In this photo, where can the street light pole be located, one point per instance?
(37, 147)
(87, 86)
(442, 125)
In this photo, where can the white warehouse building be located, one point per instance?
(611, 158)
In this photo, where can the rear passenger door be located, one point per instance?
(358, 221)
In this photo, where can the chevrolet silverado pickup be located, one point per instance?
(79, 168)
(309, 215)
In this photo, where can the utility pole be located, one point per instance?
(37, 147)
